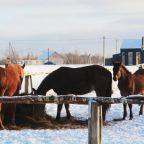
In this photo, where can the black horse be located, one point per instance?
(78, 81)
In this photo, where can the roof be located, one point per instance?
(131, 44)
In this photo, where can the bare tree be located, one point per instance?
(76, 58)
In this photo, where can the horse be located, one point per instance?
(78, 81)
(128, 84)
(10, 83)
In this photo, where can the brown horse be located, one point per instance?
(128, 84)
(10, 83)
(78, 81)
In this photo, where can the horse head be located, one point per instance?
(18, 69)
(116, 70)
(34, 92)
(21, 71)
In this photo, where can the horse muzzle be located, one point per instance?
(115, 78)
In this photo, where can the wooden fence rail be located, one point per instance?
(71, 99)
(95, 108)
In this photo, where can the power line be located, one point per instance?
(63, 40)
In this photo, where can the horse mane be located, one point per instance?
(127, 71)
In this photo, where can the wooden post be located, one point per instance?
(31, 82)
(28, 82)
(95, 123)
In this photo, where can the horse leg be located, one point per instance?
(59, 108)
(12, 110)
(67, 111)
(141, 110)
(1, 110)
(1, 123)
(131, 114)
(125, 111)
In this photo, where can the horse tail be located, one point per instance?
(109, 86)
(108, 93)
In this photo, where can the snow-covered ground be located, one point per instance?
(120, 132)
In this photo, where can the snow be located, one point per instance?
(117, 132)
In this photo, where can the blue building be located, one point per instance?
(131, 52)
(51, 57)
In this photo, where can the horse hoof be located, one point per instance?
(118, 119)
(2, 127)
(130, 118)
(140, 113)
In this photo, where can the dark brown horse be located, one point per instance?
(128, 84)
(78, 81)
(10, 84)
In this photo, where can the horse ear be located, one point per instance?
(119, 63)
(23, 66)
(6, 65)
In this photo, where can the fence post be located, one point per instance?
(95, 123)
(28, 82)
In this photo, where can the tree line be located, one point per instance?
(76, 58)
(68, 58)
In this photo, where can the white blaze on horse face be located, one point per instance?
(116, 73)
(117, 76)
(119, 73)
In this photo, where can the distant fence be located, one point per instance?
(95, 122)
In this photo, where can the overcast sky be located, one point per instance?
(69, 25)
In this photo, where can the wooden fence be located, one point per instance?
(94, 105)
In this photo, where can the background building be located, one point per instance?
(51, 58)
(131, 52)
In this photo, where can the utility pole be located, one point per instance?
(116, 45)
(48, 55)
(103, 50)
(9, 52)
